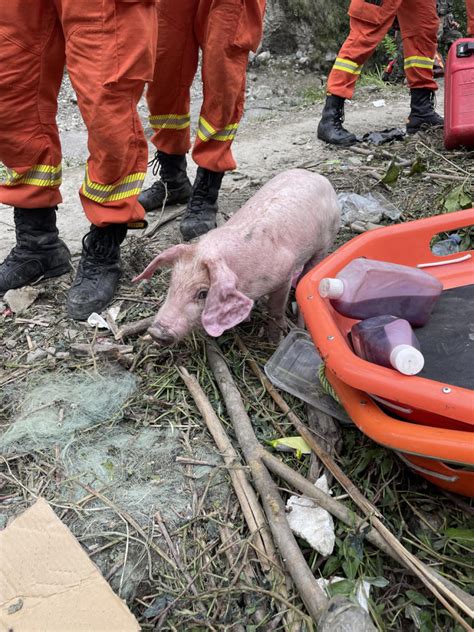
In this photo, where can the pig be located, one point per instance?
(289, 223)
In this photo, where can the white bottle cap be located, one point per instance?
(331, 288)
(407, 359)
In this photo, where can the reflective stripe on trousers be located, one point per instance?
(206, 132)
(37, 175)
(129, 186)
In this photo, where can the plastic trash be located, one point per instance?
(294, 369)
(448, 246)
(383, 136)
(312, 523)
(390, 342)
(372, 207)
(366, 288)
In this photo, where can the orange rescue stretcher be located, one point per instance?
(428, 419)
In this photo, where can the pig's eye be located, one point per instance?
(202, 295)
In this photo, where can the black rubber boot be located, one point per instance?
(173, 187)
(202, 208)
(38, 254)
(423, 114)
(98, 273)
(330, 127)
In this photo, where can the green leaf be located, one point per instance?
(393, 173)
(457, 199)
(378, 582)
(342, 587)
(331, 565)
(460, 534)
(417, 167)
(426, 621)
(350, 568)
(417, 598)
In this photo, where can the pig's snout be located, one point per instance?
(161, 335)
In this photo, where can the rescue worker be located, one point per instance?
(108, 66)
(370, 20)
(225, 31)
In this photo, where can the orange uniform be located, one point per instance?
(370, 21)
(109, 48)
(470, 16)
(225, 31)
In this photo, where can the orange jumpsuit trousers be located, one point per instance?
(109, 47)
(470, 17)
(225, 30)
(370, 21)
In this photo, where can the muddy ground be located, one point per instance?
(146, 453)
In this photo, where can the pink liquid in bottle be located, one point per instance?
(388, 341)
(366, 288)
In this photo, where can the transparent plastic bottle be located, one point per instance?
(388, 341)
(366, 288)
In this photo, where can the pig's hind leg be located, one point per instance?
(277, 301)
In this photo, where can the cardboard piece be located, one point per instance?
(49, 584)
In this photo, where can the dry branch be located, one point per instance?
(311, 594)
(132, 329)
(251, 508)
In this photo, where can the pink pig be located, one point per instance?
(289, 222)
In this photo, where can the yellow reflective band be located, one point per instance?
(206, 132)
(129, 186)
(346, 65)
(418, 62)
(170, 121)
(38, 175)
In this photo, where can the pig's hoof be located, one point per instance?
(274, 334)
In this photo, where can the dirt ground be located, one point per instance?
(147, 454)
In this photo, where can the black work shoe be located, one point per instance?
(38, 254)
(98, 273)
(423, 114)
(202, 208)
(173, 187)
(330, 127)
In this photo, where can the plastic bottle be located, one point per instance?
(388, 341)
(367, 288)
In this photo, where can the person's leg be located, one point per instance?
(108, 65)
(169, 99)
(369, 23)
(419, 26)
(31, 68)
(224, 66)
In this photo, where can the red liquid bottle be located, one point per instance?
(367, 288)
(388, 341)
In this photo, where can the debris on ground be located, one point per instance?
(47, 581)
(370, 208)
(312, 523)
(19, 300)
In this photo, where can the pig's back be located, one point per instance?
(294, 206)
(295, 191)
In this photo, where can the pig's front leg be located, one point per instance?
(276, 309)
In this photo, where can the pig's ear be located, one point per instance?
(225, 306)
(165, 258)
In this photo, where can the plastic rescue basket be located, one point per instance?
(428, 419)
